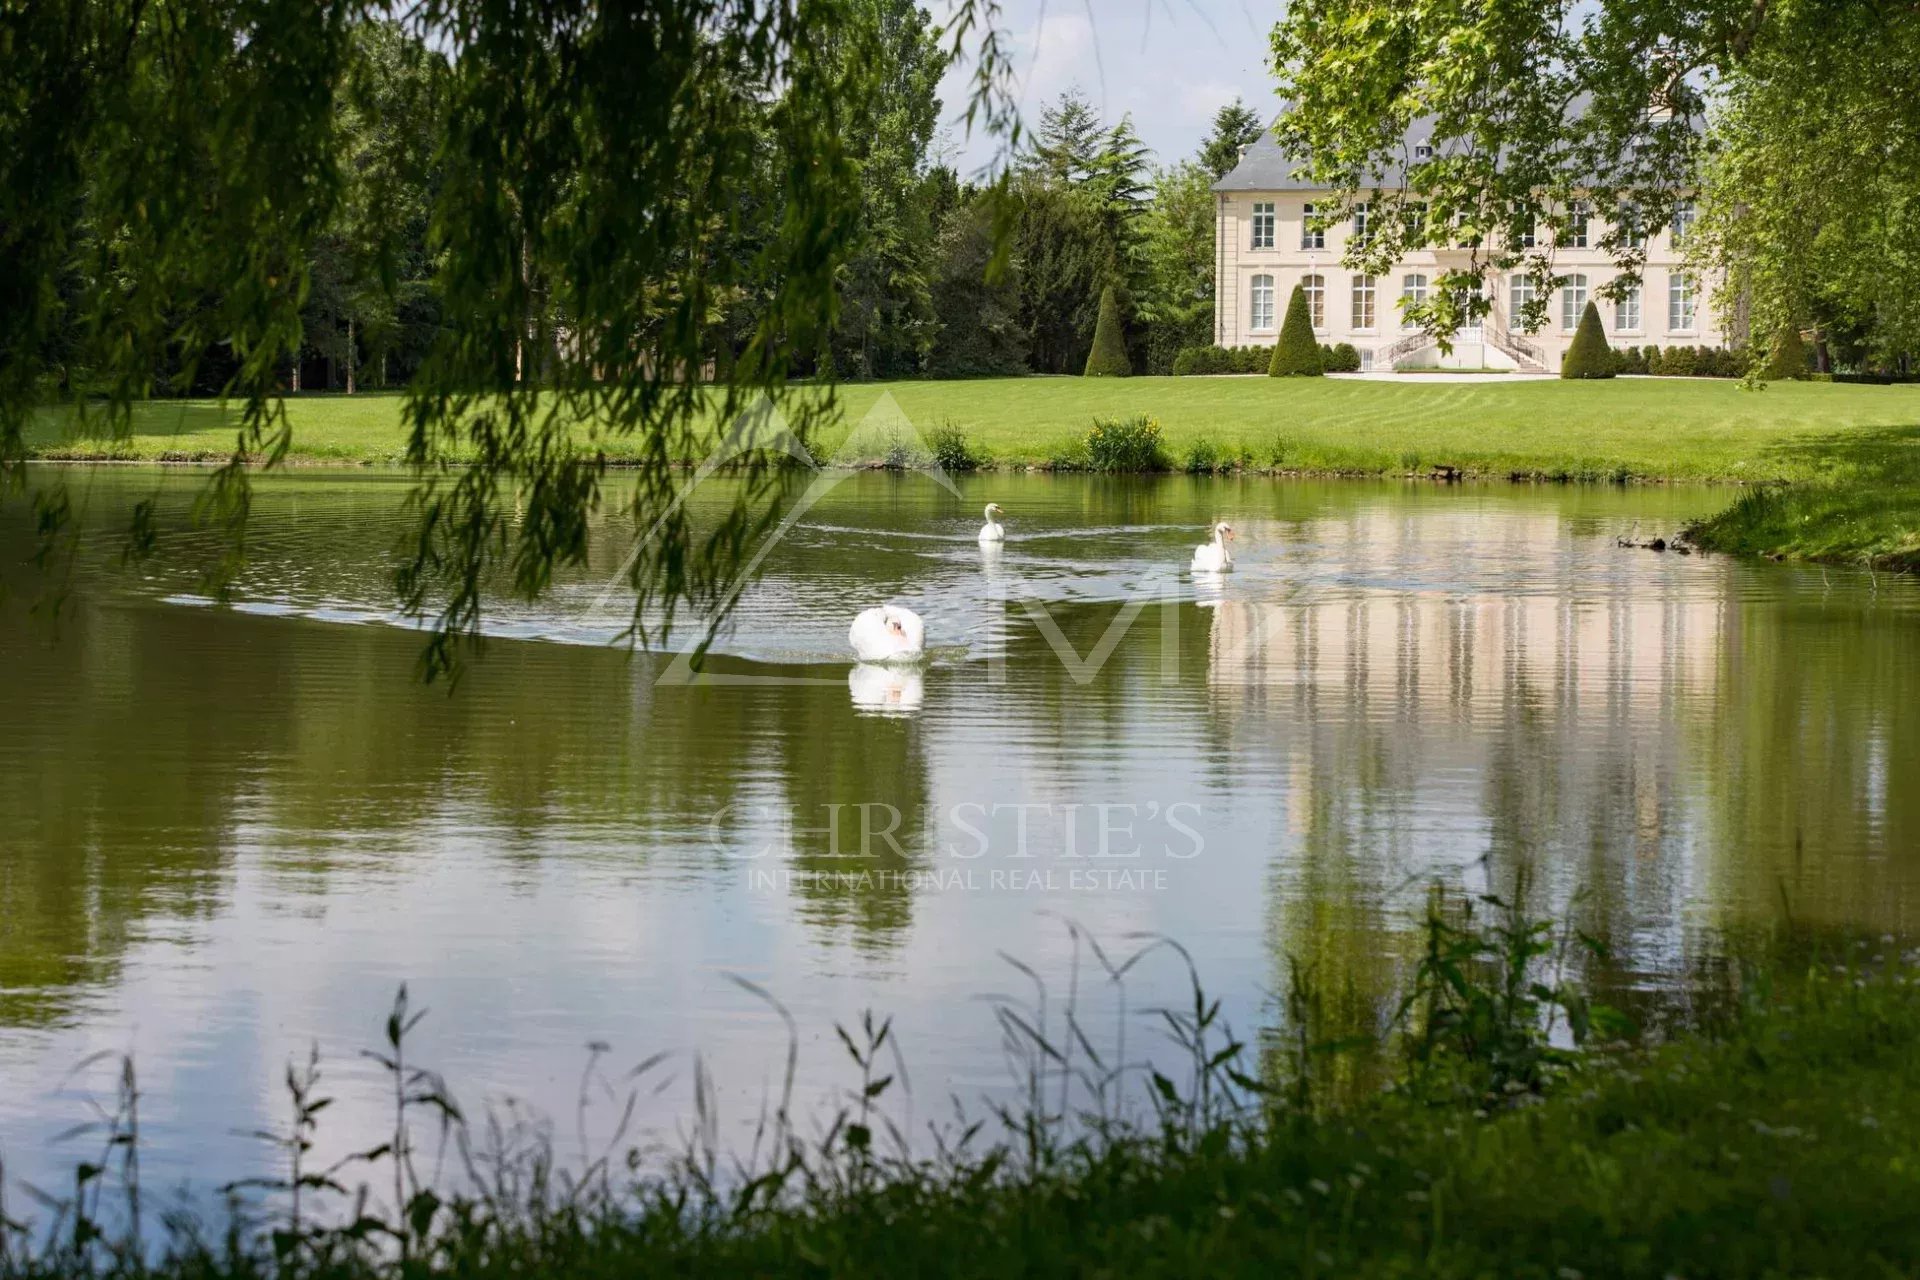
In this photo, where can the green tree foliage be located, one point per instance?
(1175, 302)
(1063, 261)
(369, 270)
(1297, 354)
(1108, 359)
(1508, 155)
(1810, 205)
(1068, 141)
(1089, 211)
(1805, 155)
(1788, 360)
(612, 181)
(1588, 355)
(885, 322)
(1235, 128)
(979, 331)
(1081, 196)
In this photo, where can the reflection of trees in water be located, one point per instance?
(858, 791)
(1690, 758)
(146, 746)
(1661, 758)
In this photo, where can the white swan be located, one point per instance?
(992, 531)
(1213, 557)
(888, 633)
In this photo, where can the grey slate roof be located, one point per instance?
(1265, 167)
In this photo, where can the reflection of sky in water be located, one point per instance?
(230, 835)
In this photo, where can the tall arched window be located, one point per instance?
(1522, 291)
(1261, 313)
(1573, 300)
(1315, 287)
(1413, 292)
(1363, 294)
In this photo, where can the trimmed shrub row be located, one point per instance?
(1341, 357)
(1684, 362)
(1867, 377)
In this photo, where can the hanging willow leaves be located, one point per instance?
(607, 177)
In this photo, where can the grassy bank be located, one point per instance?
(1780, 1142)
(1695, 429)
(1868, 513)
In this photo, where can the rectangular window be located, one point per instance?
(1631, 234)
(1360, 213)
(1626, 311)
(1681, 302)
(1529, 234)
(1260, 316)
(1316, 290)
(1363, 295)
(1312, 236)
(1464, 234)
(1413, 216)
(1413, 292)
(1682, 222)
(1579, 214)
(1573, 301)
(1263, 220)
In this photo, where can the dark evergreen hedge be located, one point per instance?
(1341, 357)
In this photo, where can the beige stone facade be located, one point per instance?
(1264, 245)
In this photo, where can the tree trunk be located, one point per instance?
(296, 372)
(350, 355)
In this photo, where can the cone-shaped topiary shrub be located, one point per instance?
(1296, 355)
(1789, 358)
(1108, 359)
(1589, 356)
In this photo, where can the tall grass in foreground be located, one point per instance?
(1517, 1139)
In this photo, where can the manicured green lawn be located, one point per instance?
(1645, 428)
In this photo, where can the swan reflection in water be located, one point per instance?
(887, 690)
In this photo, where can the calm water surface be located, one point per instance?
(229, 832)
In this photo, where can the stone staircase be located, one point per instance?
(1529, 357)
(1523, 353)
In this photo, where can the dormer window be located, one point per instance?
(1422, 151)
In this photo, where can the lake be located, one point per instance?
(230, 832)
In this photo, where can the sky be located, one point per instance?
(1171, 63)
